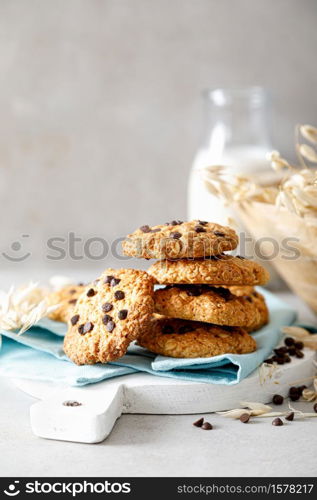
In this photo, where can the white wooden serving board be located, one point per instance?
(101, 404)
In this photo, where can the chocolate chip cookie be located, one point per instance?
(109, 315)
(212, 305)
(66, 297)
(177, 239)
(189, 339)
(221, 270)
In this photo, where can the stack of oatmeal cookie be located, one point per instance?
(208, 305)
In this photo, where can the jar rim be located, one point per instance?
(224, 96)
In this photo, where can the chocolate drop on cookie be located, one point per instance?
(115, 282)
(219, 233)
(110, 326)
(119, 295)
(88, 327)
(91, 292)
(108, 280)
(74, 319)
(106, 307)
(106, 318)
(176, 235)
(72, 301)
(145, 229)
(199, 229)
(123, 314)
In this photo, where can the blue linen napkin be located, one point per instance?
(38, 355)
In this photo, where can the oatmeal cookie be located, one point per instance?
(177, 239)
(212, 305)
(221, 270)
(189, 339)
(66, 297)
(109, 314)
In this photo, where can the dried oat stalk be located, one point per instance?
(23, 307)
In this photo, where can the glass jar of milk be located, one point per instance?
(236, 135)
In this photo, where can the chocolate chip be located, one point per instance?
(74, 319)
(295, 396)
(91, 292)
(176, 235)
(123, 314)
(199, 229)
(199, 422)
(203, 222)
(106, 318)
(106, 307)
(206, 426)
(88, 327)
(289, 341)
(156, 230)
(72, 403)
(280, 360)
(292, 350)
(119, 295)
(268, 361)
(301, 388)
(244, 418)
(293, 390)
(281, 350)
(290, 416)
(115, 282)
(278, 399)
(185, 329)
(299, 354)
(145, 229)
(108, 280)
(219, 233)
(315, 407)
(72, 291)
(287, 359)
(81, 329)
(167, 329)
(110, 326)
(299, 345)
(72, 301)
(277, 421)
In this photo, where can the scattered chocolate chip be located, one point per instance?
(119, 295)
(123, 314)
(299, 354)
(289, 341)
(115, 282)
(176, 235)
(290, 416)
(167, 329)
(280, 360)
(106, 307)
(206, 426)
(108, 280)
(88, 327)
(145, 229)
(199, 229)
(110, 326)
(203, 222)
(199, 422)
(277, 421)
(315, 407)
(268, 361)
(72, 403)
(301, 388)
(106, 318)
(287, 359)
(219, 233)
(280, 350)
(299, 345)
(278, 399)
(292, 350)
(72, 301)
(244, 418)
(293, 390)
(91, 292)
(74, 319)
(294, 396)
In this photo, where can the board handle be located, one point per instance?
(77, 415)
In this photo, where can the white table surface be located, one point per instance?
(154, 445)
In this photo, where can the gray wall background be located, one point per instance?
(100, 107)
